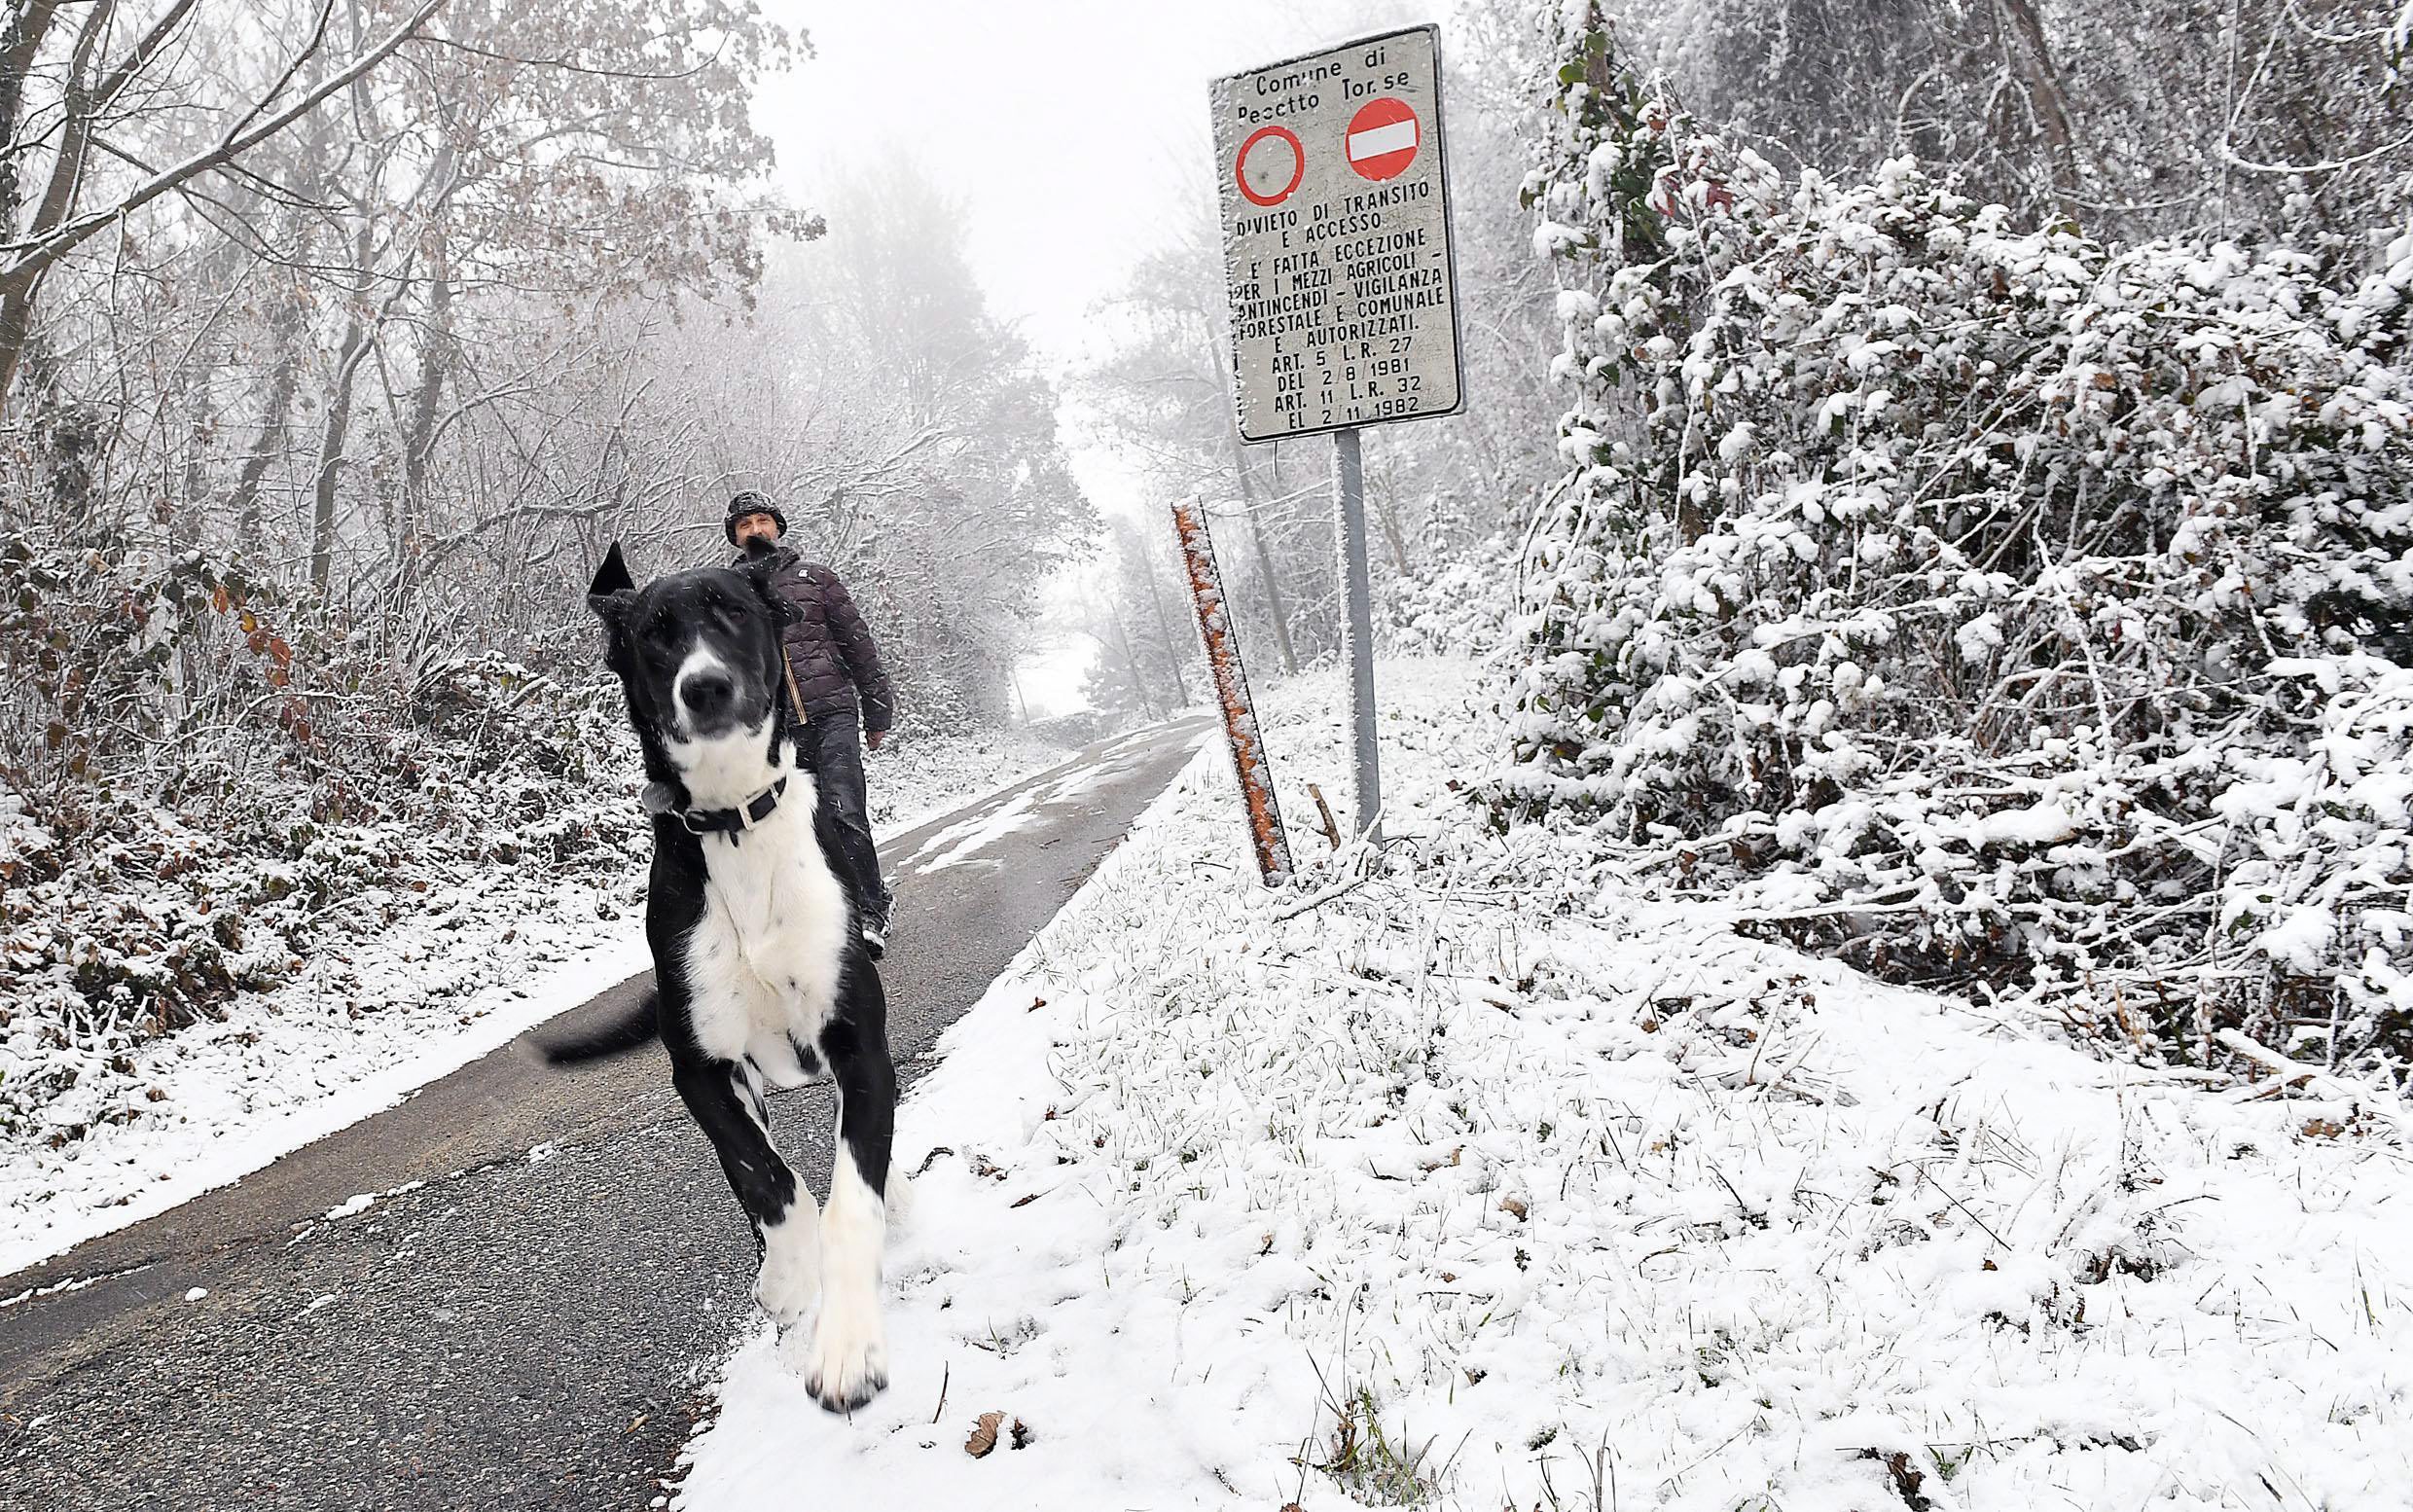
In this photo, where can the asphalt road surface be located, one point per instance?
(535, 1323)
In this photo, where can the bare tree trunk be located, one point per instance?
(1165, 629)
(1265, 562)
(1131, 662)
(285, 332)
(28, 22)
(22, 280)
(2033, 60)
(184, 529)
(189, 488)
(357, 333)
(1390, 529)
(419, 437)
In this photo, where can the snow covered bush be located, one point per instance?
(207, 784)
(1458, 605)
(1993, 603)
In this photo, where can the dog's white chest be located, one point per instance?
(763, 961)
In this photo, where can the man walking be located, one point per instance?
(834, 664)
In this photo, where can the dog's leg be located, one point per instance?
(787, 1223)
(849, 1361)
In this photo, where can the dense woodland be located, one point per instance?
(337, 339)
(1940, 467)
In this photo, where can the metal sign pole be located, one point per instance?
(1342, 285)
(1349, 488)
(1240, 714)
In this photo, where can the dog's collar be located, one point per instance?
(661, 800)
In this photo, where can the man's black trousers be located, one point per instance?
(834, 753)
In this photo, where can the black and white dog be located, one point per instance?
(761, 979)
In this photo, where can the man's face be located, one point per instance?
(756, 528)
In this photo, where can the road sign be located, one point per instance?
(1336, 239)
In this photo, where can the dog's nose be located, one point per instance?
(707, 694)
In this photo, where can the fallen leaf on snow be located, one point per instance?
(984, 1434)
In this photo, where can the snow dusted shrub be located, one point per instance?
(1991, 604)
(204, 782)
(1458, 605)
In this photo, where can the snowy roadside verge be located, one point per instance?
(1480, 1186)
(378, 1016)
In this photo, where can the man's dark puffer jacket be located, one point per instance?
(830, 649)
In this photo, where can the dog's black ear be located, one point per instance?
(613, 591)
(760, 574)
(612, 576)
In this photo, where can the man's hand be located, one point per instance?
(872, 739)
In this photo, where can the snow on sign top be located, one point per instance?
(1336, 239)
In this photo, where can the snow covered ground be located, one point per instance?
(1492, 1184)
(464, 970)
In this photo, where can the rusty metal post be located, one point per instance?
(1231, 679)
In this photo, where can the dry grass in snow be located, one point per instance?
(1482, 1184)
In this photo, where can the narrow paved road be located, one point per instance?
(530, 1324)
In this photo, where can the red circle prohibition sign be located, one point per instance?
(1383, 138)
(1298, 161)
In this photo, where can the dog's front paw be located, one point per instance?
(789, 1283)
(850, 1360)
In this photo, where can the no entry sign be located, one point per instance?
(1336, 239)
(1382, 139)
